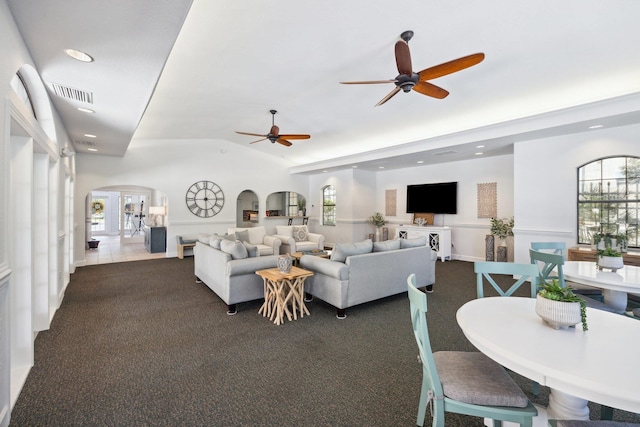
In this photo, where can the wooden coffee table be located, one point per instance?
(297, 255)
(282, 290)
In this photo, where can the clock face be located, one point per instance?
(205, 199)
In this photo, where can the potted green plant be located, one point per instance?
(609, 258)
(622, 241)
(302, 207)
(560, 307)
(502, 227)
(378, 221)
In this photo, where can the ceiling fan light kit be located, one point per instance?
(408, 79)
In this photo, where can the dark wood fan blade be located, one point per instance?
(251, 134)
(294, 136)
(275, 130)
(258, 140)
(369, 82)
(389, 96)
(403, 58)
(429, 89)
(450, 67)
(284, 142)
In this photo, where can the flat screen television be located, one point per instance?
(438, 198)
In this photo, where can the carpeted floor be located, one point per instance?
(141, 343)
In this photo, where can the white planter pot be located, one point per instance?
(558, 314)
(612, 262)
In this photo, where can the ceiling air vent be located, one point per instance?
(72, 93)
(85, 143)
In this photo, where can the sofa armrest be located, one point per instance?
(238, 267)
(325, 266)
(274, 242)
(317, 238)
(285, 240)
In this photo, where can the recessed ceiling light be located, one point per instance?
(479, 146)
(420, 161)
(92, 149)
(595, 127)
(325, 171)
(380, 167)
(80, 56)
(85, 110)
(355, 166)
(89, 135)
(479, 153)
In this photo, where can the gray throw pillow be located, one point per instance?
(243, 236)
(252, 250)
(343, 250)
(235, 249)
(387, 245)
(413, 243)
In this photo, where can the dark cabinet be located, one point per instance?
(155, 239)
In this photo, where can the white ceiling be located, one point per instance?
(551, 67)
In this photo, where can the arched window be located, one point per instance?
(328, 205)
(609, 199)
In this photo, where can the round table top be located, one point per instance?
(626, 279)
(600, 365)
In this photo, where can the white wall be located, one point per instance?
(468, 231)
(171, 166)
(545, 178)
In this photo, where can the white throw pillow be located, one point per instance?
(284, 230)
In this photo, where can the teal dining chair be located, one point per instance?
(463, 382)
(488, 270)
(560, 248)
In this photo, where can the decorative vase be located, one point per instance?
(489, 243)
(284, 263)
(558, 314)
(377, 234)
(501, 254)
(611, 262)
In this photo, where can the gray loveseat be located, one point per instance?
(366, 271)
(233, 280)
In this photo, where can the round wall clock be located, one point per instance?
(205, 199)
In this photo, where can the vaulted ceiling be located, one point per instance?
(177, 69)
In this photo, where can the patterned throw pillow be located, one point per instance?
(300, 233)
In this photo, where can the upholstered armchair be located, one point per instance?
(267, 245)
(297, 238)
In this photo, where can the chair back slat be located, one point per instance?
(485, 269)
(558, 248)
(418, 305)
(550, 266)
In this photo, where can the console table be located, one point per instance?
(588, 254)
(438, 238)
(155, 239)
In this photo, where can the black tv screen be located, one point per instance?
(439, 198)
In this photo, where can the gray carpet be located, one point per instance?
(141, 344)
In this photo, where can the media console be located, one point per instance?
(438, 238)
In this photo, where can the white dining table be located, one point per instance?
(598, 365)
(615, 286)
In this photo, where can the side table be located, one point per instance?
(282, 290)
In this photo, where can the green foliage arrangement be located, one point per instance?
(377, 219)
(608, 252)
(554, 292)
(502, 227)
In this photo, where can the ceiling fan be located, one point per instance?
(408, 79)
(274, 134)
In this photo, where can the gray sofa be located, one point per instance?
(233, 280)
(362, 272)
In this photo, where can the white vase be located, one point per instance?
(377, 234)
(611, 262)
(558, 314)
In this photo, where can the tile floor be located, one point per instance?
(110, 250)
